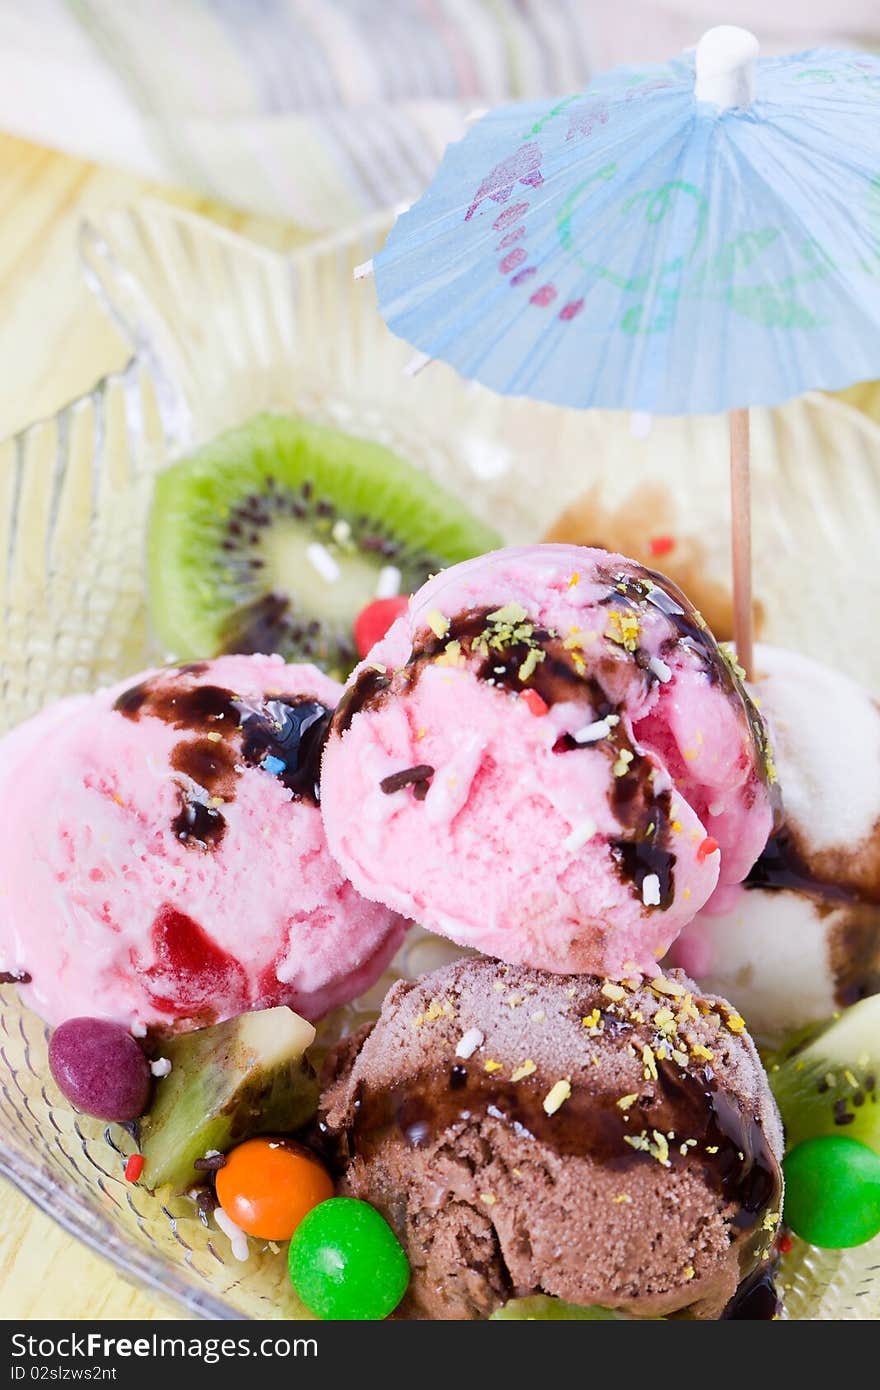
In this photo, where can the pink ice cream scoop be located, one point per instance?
(550, 759)
(163, 862)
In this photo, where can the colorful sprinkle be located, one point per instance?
(661, 545)
(134, 1166)
(534, 704)
(557, 1096)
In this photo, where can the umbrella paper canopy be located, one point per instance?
(637, 247)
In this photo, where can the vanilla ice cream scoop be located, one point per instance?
(800, 938)
(548, 758)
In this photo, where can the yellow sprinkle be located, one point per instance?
(592, 1019)
(438, 623)
(698, 1050)
(851, 1080)
(538, 1016)
(509, 613)
(636, 1016)
(574, 580)
(491, 1065)
(215, 737)
(215, 802)
(671, 987)
(621, 766)
(771, 1221)
(451, 655)
(664, 1019)
(420, 734)
(526, 1069)
(514, 1000)
(528, 666)
(626, 1101)
(517, 1172)
(687, 892)
(557, 1096)
(676, 825)
(650, 1062)
(489, 1198)
(735, 1022)
(439, 1008)
(622, 1197)
(679, 1057)
(711, 1148)
(690, 1272)
(612, 991)
(660, 1148)
(623, 628)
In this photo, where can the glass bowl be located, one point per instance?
(221, 329)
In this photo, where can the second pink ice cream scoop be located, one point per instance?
(548, 758)
(164, 861)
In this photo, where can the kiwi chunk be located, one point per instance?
(826, 1082)
(274, 536)
(543, 1307)
(244, 1077)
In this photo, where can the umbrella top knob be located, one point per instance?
(726, 59)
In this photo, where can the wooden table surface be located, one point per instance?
(55, 342)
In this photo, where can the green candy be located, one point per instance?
(346, 1263)
(832, 1192)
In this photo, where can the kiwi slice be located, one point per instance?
(276, 535)
(826, 1082)
(247, 1076)
(543, 1308)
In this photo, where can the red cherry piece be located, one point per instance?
(535, 705)
(373, 622)
(134, 1167)
(706, 847)
(661, 545)
(785, 1243)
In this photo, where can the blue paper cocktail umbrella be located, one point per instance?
(691, 237)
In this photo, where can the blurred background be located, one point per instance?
(317, 111)
(282, 119)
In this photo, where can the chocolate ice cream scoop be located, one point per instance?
(610, 1143)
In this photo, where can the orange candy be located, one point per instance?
(267, 1186)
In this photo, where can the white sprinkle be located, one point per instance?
(389, 582)
(237, 1237)
(138, 1028)
(213, 1153)
(660, 669)
(651, 890)
(161, 1066)
(591, 733)
(341, 531)
(469, 1042)
(579, 836)
(322, 561)
(364, 270)
(717, 808)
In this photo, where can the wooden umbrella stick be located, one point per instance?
(741, 537)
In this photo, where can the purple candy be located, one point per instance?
(100, 1068)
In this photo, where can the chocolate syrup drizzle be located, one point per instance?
(283, 734)
(741, 1166)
